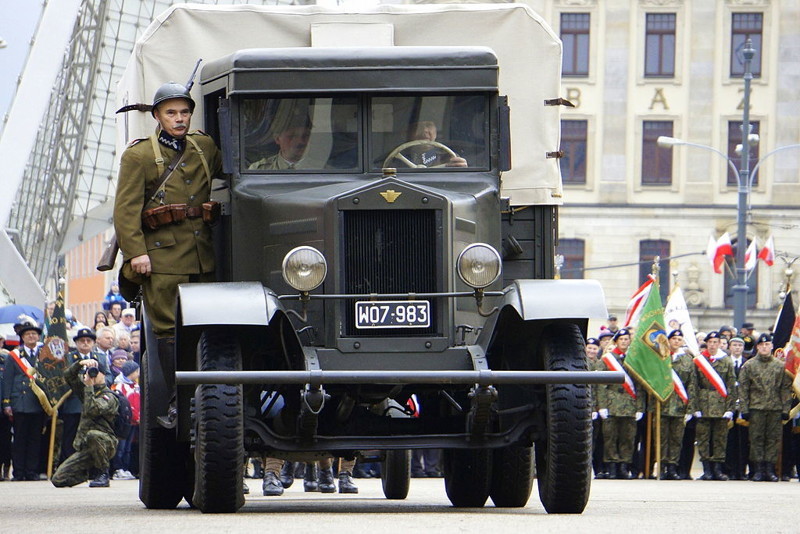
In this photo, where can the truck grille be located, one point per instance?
(390, 251)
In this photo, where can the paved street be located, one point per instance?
(615, 506)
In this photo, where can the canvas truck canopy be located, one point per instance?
(528, 52)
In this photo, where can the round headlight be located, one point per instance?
(479, 265)
(304, 268)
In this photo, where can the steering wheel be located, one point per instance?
(397, 153)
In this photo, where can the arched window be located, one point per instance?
(648, 250)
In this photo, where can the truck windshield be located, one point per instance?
(322, 134)
(419, 132)
(300, 134)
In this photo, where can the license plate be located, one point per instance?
(393, 314)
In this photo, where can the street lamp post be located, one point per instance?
(744, 181)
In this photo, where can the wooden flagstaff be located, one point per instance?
(53, 425)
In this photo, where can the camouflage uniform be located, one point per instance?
(619, 429)
(712, 427)
(764, 389)
(673, 412)
(95, 443)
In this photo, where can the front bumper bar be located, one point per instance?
(482, 378)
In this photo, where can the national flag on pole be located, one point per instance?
(717, 250)
(613, 365)
(792, 351)
(784, 323)
(750, 256)
(637, 303)
(767, 253)
(711, 374)
(648, 358)
(676, 315)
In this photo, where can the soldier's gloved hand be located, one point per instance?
(698, 414)
(639, 416)
(784, 416)
(594, 416)
(727, 415)
(687, 417)
(603, 413)
(746, 416)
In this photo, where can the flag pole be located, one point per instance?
(656, 269)
(53, 425)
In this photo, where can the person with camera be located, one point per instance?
(95, 443)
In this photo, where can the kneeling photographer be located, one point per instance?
(95, 443)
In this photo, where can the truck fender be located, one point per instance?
(556, 299)
(226, 303)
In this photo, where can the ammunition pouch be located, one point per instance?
(155, 218)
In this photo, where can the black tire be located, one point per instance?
(512, 476)
(162, 460)
(396, 474)
(467, 476)
(219, 428)
(564, 456)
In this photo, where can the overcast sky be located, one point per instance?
(18, 20)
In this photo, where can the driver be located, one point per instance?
(292, 142)
(429, 155)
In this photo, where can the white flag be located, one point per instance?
(750, 256)
(676, 315)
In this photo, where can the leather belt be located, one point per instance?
(193, 212)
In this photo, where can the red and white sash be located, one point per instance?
(711, 374)
(613, 365)
(23, 363)
(680, 389)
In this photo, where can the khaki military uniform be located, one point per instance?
(712, 428)
(764, 391)
(181, 252)
(674, 410)
(619, 429)
(95, 443)
(273, 163)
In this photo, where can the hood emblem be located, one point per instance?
(390, 195)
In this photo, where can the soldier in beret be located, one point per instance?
(765, 393)
(675, 410)
(620, 409)
(712, 400)
(594, 364)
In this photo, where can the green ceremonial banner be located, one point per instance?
(648, 358)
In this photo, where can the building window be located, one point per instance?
(573, 144)
(734, 139)
(575, 40)
(730, 280)
(656, 163)
(660, 45)
(743, 27)
(648, 250)
(574, 251)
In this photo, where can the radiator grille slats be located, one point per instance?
(389, 251)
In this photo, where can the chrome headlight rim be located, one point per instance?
(464, 256)
(313, 282)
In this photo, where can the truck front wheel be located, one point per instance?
(219, 428)
(396, 474)
(563, 456)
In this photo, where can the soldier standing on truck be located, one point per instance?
(161, 211)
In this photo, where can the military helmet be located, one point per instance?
(171, 90)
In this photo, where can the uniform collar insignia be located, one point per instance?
(170, 142)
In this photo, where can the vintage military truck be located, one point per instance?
(361, 255)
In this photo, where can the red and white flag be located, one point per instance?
(680, 389)
(637, 302)
(767, 253)
(613, 365)
(717, 250)
(711, 374)
(750, 257)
